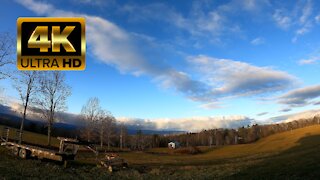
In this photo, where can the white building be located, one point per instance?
(173, 145)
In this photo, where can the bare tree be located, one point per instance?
(90, 114)
(102, 125)
(106, 126)
(6, 50)
(53, 96)
(25, 84)
(110, 129)
(123, 135)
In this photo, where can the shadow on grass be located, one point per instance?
(299, 162)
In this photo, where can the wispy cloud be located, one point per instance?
(262, 114)
(317, 18)
(305, 21)
(300, 97)
(211, 105)
(257, 41)
(306, 12)
(204, 20)
(299, 19)
(282, 19)
(95, 2)
(285, 110)
(311, 60)
(198, 23)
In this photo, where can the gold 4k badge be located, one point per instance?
(51, 44)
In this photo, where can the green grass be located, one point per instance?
(289, 155)
(33, 138)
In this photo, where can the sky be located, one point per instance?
(175, 60)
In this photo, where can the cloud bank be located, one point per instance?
(194, 124)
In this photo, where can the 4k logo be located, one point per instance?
(51, 44)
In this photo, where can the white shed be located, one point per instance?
(173, 145)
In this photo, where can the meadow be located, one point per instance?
(288, 155)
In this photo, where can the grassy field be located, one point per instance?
(289, 155)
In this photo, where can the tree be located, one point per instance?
(110, 129)
(106, 124)
(123, 135)
(52, 97)
(25, 84)
(6, 50)
(101, 116)
(90, 115)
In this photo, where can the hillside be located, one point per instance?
(293, 154)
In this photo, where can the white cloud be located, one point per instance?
(305, 21)
(282, 20)
(317, 18)
(95, 2)
(257, 41)
(306, 12)
(300, 97)
(211, 105)
(199, 23)
(204, 20)
(234, 78)
(299, 18)
(295, 116)
(188, 124)
(262, 114)
(312, 60)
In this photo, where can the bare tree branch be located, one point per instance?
(7, 47)
(52, 97)
(25, 84)
(90, 114)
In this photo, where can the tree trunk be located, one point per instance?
(108, 142)
(121, 140)
(101, 139)
(49, 134)
(121, 134)
(23, 119)
(88, 135)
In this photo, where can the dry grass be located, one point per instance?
(273, 144)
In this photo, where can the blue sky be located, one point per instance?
(182, 59)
